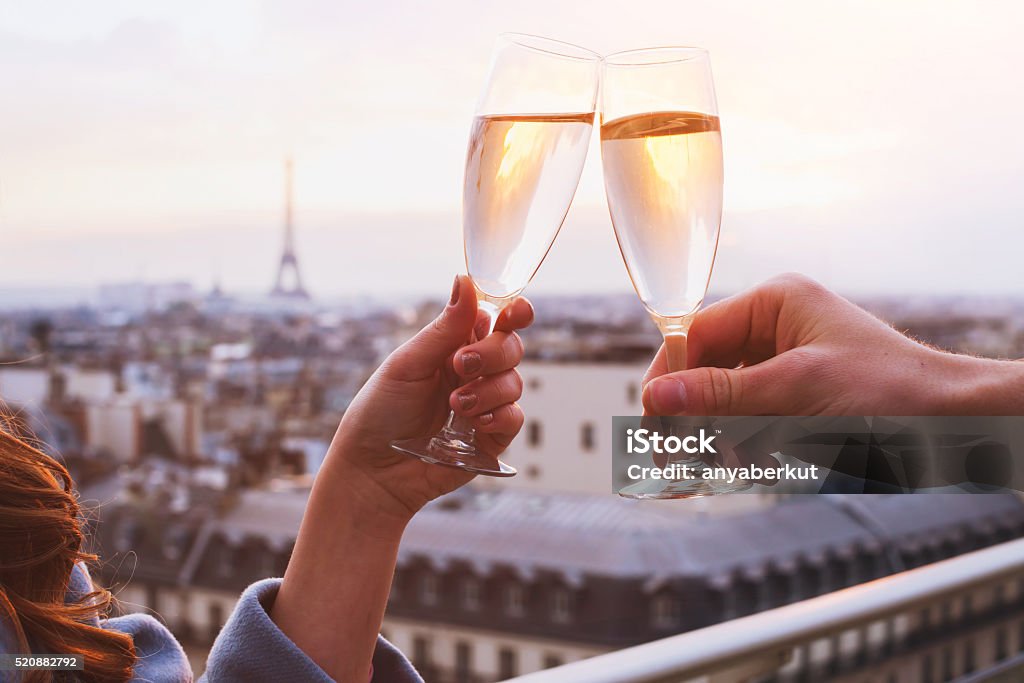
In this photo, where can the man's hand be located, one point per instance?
(792, 347)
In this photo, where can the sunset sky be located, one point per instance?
(878, 146)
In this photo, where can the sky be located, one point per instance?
(877, 146)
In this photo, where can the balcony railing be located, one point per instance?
(763, 644)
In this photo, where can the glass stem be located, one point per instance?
(462, 427)
(675, 330)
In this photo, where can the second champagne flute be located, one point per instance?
(661, 148)
(526, 152)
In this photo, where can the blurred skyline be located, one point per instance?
(875, 146)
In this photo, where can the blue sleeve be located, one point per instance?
(391, 666)
(159, 658)
(251, 648)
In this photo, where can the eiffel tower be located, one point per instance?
(289, 261)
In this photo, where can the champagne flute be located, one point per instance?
(526, 152)
(661, 148)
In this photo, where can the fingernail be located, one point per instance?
(529, 305)
(471, 363)
(486, 418)
(668, 396)
(456, 290)
(466, 401)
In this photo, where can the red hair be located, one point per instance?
(41, 539)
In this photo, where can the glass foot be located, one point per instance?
(665, 489)
(453, 452)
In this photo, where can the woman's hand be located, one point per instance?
(792, 347)
(411, 394)
(334, 591)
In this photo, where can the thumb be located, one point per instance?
(768, 388)
(658, 367)
(430, 349)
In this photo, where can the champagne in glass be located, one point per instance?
(661, 148)
(526, 152)
(521, 174)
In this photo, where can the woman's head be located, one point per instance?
(41, 539)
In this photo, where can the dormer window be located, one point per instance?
(666, 612)
(470, 594)
(428, 589)
(174, 545)
(561, 611)
(515, 600)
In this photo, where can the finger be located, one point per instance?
(487, 393)
(515, 316)
(505, 420)
(774, 387)
(737, 329)
(482, 327)
(755, 325)
(493, 354)
(422, 355)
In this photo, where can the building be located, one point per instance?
(504, 578)
(565, 444)
(126, 420)
(135, 297)
(491, 584)
(566, 441)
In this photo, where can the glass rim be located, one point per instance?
(550, 46)
(685, 53)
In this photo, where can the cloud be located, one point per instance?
(888, 123)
